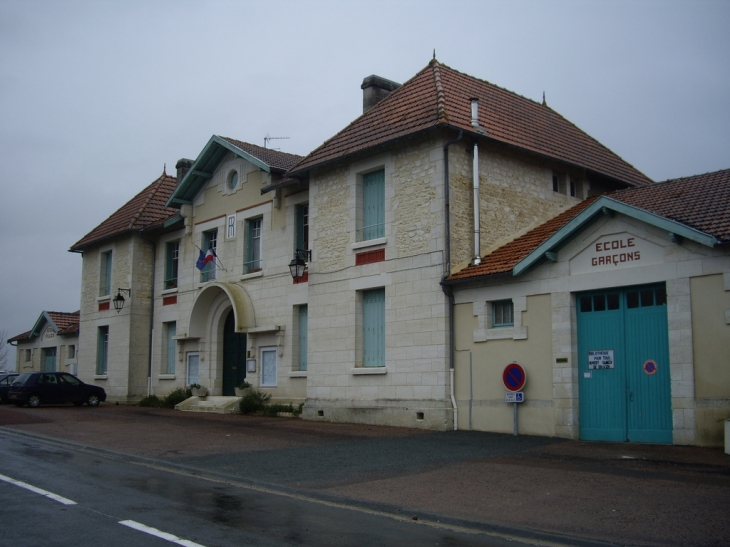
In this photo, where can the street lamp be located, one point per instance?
(119, 299)
(298, 265)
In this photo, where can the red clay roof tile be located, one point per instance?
(145, 210)
(272, 158)
(441, 96)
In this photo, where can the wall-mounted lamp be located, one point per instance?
(119, 299)
(298, 265)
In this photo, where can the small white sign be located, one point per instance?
(514, 397)
(586, 375)
(600, 359)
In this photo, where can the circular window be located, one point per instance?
(232, 179)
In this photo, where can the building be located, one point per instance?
(51, 345)
(386, 216)
(619, 312)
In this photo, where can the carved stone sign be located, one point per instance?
(48, 333)
(616, 251)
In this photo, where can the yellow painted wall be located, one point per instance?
(489, 411)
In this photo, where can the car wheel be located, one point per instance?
(93, 400)
(34, 401)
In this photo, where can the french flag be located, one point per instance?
(204, 258)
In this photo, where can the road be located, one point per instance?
(54, 495)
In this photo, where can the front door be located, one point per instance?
(49, 359)
(234, 356)
(623, 362)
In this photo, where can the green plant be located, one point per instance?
(254, 402)
(175, 397)
(273, 410)
(244, 385)
(194, 386)
(151, 401)
(298, 409)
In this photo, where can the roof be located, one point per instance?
(62, 323)
(696, 208)
(213, 153)
(145, 210)
(439, 96)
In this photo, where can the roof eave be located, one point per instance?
(591, 213)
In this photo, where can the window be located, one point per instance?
(253, 251)
(556, 183)
(303, 320)
(302, 235)
(105, 274)
(210, 241)
(71, 352)
(28, 355)
(232, 179)
(373, 307)
(373, 209)
(268, 367)
(503, 314)
(172, 254)
(169, 347)
(102, 349)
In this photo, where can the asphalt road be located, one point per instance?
(489, 487)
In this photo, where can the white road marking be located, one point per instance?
(159, 533)
(46, 493)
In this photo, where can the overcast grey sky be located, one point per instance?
(96, 96)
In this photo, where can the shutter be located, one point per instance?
(374, 205)
(300, 229)
(374, 328)
(303, 320)
(171, 347)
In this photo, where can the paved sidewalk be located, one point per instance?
(627, 494)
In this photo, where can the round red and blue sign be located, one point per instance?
(650, 367)
(514, 377)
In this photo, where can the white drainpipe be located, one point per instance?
(475, 171)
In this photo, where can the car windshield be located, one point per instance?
(68, 379)
(21, 379)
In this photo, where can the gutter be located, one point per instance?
(446, 288)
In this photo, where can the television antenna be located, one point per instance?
(267, 138)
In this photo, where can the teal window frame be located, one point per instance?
(503, 314)
(170, 347)
(172, 257)
(303, 336)
(373, 321)
(254, 227)
(210, 240)
(105, 274)
(373, 205)
(102, 350)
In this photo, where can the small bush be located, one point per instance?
(298, 410)
(254, 402)
(151, 401)
(176, 396)
(245, 385)
(273, 410)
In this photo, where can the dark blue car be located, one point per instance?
(6, 379)
(35, 388)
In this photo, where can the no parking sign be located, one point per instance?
(514, 377)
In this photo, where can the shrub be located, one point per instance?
(254, 402)
(244, 385)
(298, 410)
(176, 396)
(152, 401)
(273, 410)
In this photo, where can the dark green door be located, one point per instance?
(623, 362)
(234, 356)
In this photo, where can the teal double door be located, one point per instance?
(234, 356)
(623, 364)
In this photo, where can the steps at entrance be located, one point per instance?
(212, 403)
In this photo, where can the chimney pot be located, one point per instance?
(183, 166)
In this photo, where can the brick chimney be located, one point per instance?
(183, 166)
(375, 89)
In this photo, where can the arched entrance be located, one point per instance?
(234, 356)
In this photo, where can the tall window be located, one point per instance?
(105, 274)
(373, 210)
(170, 347)
(503, 314)
(253, 251)
(210, 241)
(102, 350)
(302, 241)
(71, 352)
(172, 254)
(373, 307)
(268, 367)
(193, 368)
(303, 314)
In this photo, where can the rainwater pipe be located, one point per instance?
(447, 289)
(475, 175)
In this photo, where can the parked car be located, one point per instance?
(35, 388)
(5, 380)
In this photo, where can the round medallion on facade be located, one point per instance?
(232, 179)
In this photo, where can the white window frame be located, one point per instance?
(188, 379)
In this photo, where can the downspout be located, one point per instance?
(447, 289)
(152, 318)
(475, 175)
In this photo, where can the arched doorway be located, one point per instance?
(234, 356)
